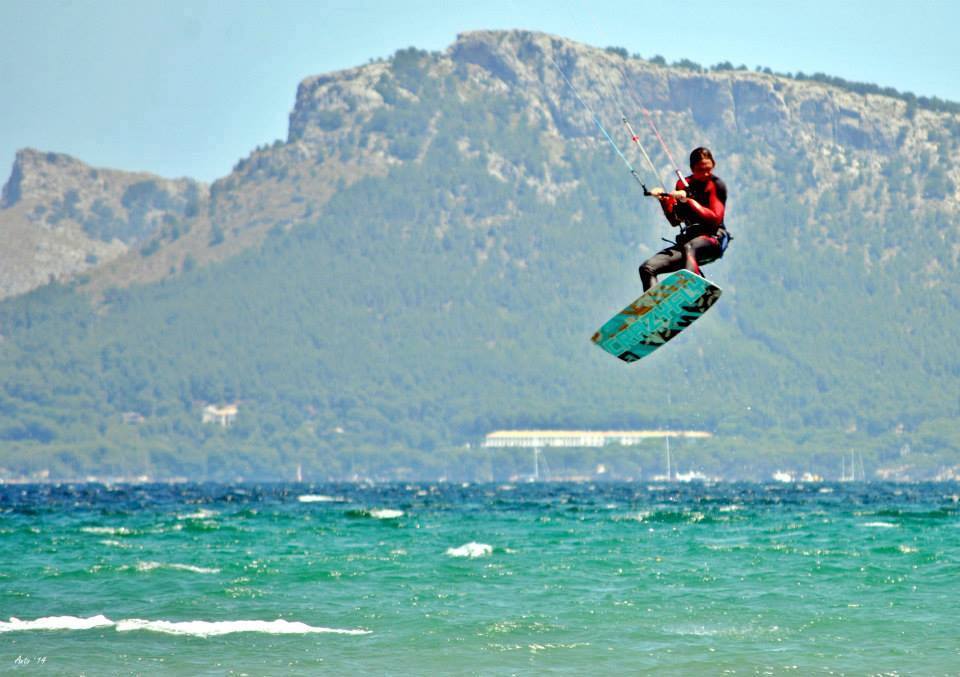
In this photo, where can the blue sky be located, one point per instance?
(186, 88)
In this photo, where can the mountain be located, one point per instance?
(425, 257)
(60, 217)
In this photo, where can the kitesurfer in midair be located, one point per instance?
(696, 207)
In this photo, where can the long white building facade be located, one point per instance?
(539, 439)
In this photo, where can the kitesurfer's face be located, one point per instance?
(702, 169)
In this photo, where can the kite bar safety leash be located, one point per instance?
(613, 143)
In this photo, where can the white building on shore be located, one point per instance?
(539, 439)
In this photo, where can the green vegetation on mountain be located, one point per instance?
(451, 286)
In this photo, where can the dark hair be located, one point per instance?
(701, 153)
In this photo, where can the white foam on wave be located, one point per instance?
(741, 631)
(202, 514)
(189, 628)
(150, 566)
(881, 525)
(55, 623)
(633, 517)
(386, 513)
(320, 498)
(217, 628)
(471, 549)
(107, 531)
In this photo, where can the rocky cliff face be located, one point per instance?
(60, 217)
(864, 138)
(523, 63)
(826, 123)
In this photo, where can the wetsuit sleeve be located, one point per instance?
(710, 214)
(669, 210)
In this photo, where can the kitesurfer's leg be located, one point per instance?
(664, 261)
(704, 248)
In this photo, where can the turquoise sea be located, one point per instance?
(424, 579)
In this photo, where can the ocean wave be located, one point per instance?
(201, 514)
(107, 531)
(535, 648)
(665, 517)
(200, 525)
(217, 628)
(376, 513)
(699, 630)
(471, 550)
(55, 623)
(190, 628)
(939, 513)
(880, 525)
(150, 566)
(320, 498)
(901, 549)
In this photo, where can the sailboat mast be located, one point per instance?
(669, 473)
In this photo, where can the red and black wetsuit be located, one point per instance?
(699, 242)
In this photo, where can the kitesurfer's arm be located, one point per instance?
(667, 203)
(712, 213)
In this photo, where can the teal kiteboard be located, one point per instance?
(656, 317)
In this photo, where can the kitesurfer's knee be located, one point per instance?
(648, 275)
(690, 256)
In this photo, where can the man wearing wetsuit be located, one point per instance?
(698, 209)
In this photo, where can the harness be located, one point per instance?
(722, 236)
(724, 240)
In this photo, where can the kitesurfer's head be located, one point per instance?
(701, 163)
